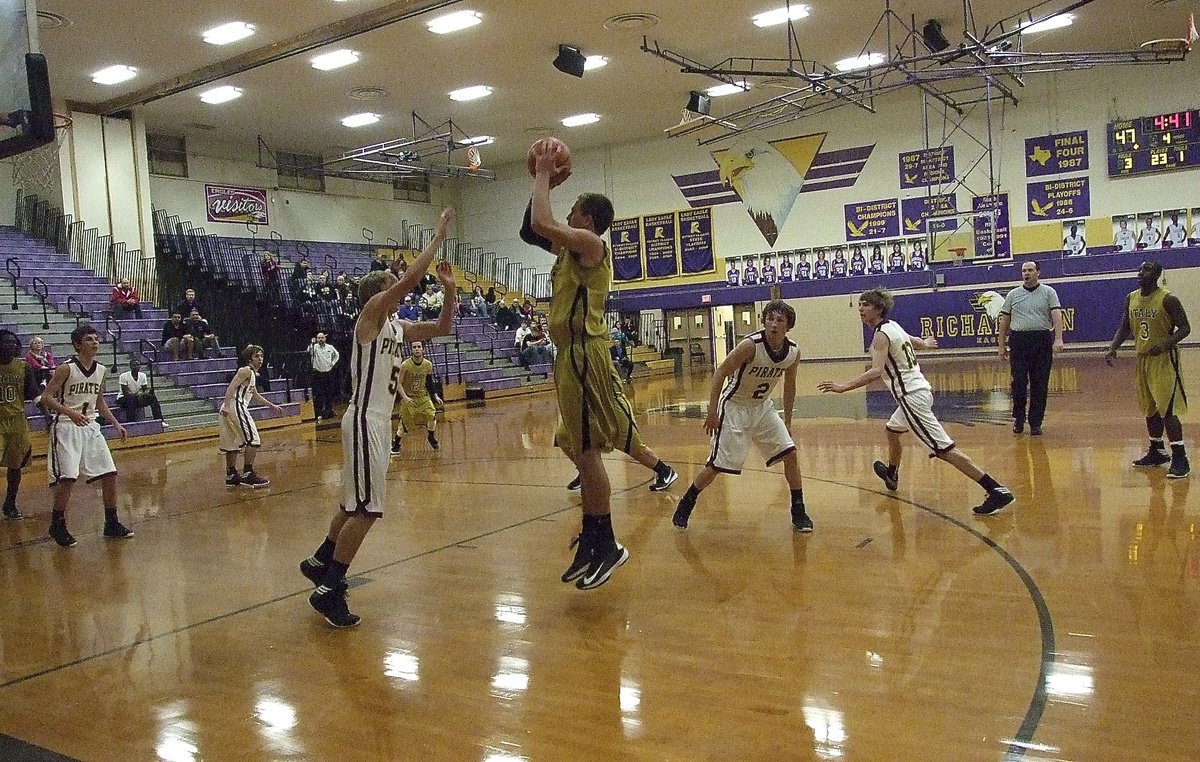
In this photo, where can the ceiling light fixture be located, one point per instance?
(335, 59)
(594, 62)
(114, 74)
(1054, 22)
(727, 89)
(227, 33)
(781, 15)
(221, 94)
(453, 22)
(865, 61)
(470, 93)
(580, 119)
(360, 120)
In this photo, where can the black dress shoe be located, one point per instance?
(1019, 427)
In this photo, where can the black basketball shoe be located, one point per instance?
(254, 481)
(313, 570)
(433, 441)
(11, 513)
(331, 604)
(116, 530)
(1180, 467)
(683, 511)
(800, 520)
(664, 480)
(573, 485)
(1154, 457)
(583, 558)
(604, 562)
(996, 500)
(891, 478)
(58, 531)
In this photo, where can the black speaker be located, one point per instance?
(698, 103)
(933, 37)
(570, 61)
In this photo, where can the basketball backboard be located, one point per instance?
(26, 116)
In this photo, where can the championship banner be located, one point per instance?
(931, 166)
(867, 220)
(1056, 154)
(915, 212)
(1058, 199)
(696, 241)
(983, 248)
(662, 247)
(626, 238)
(967, 319)
(227, 203)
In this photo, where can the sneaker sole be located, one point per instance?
(337, 626)
(889, 484)
(1151, 465)
(1179, 476)
(119, 536)
(255, 486)
(604, 577)
(802, 530)
(673, 478)
(994, 512)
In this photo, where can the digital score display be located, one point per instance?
(1154, 143)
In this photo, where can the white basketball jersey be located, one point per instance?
(80, 391)
(901, 371)
(753, 383)
(372, 380)
(244, 391)
(1125, 240)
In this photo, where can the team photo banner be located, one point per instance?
(696, 253)
(626, 237)
(228, 203)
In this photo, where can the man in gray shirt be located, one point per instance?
(1034, 315)
(323, 356)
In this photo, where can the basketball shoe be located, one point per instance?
(313, 570)
(58, 531)
(1155, 456)
(665, 478)
(800, 520)
(1180, 467)
(583, 558)
(573, 485)
(604, 562)
(116, 530)
(395, 446)
(433, 441)
(683, 511)
(253, 480)
(890, 476)
(996, 500)
(11, 512)
(231, 478)
(331, 604)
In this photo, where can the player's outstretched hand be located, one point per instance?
(445, 274)
(447, 217)
(930, 342)
(829, 386)
(546, 157)
(711, 422)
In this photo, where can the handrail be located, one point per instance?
(9, 264)
(330, 264)
(43, 296)
(80, 313)
(253, 228)
(154, 348)
(115, 334)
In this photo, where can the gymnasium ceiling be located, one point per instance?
(297, 108)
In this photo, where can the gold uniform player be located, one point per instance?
(416, 401)
(1157, 321)
(16, 385)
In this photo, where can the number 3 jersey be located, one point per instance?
(82, 386)
(753, 383)
(1148, 319)
(901, 370)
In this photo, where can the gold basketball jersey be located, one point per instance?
(577, 307)
(414, 377)
(1150, 323)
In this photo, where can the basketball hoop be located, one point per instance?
(1167, 46)
(62, 122)
(38, 171)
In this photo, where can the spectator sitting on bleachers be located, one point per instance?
(620, 352)
(378, 262)
(479, 306)
(136, 394)
(189, 303)
(324, 288)
(630, 330)
(202, 335)
(299, 274)
(527, 309)
(41, 361)
(176, 339)
(536, 347)
(431, 302)
(410, 311)
(493, 301)
(125, 300)
(342, 284)
(522, 331)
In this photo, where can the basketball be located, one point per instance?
(563, 167)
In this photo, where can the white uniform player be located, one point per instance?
(367, 423)
(238, 429)
(76, 450)
(1124, 239)
(1148, 236)
(1176, 234)
(910, 388)
(746, 412)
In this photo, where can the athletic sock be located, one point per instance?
(324, 553)
(1156, 443)
(988, 483)
(1177, 450)
(598, 529)
(662, 469)
(335, 573)
(692, 493)
(110, 514)
(798, 497)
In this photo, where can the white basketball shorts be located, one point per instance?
(914, 412)
(742, 424)
(238, 430)
(77, 451)
(366, 452)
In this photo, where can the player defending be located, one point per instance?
(367, 422)
(892, 356)
(77, 448)
(17, 384)
(594, 416)
(1161, 324)
(740, 410)
(417, 402)
(238, 431)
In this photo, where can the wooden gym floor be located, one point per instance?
(1064, 628)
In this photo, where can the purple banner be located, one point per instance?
(1063, 199)
(872, 219)
(662, 248)
(696, 241)
(626, 237)
(915, 211)
(966, 319)
(983, 239)
(931, 166)
(1056, 154)
(227, 203)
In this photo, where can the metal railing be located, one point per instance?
(14, 274)
(41, 290)
(114, 333)
(78, 311)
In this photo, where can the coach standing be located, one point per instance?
(1034, 315)
(324, 357)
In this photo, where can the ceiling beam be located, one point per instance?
(267, 54)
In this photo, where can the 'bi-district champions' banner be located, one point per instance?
(672, 243)
(966, 319)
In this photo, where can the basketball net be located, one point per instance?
(474, 160)
(38, 172)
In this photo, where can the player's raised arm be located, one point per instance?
(427, 329)
(584, 243)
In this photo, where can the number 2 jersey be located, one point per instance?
(901, 371)
(82, 387)
(753, 383)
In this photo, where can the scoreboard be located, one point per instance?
(1154, 143)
